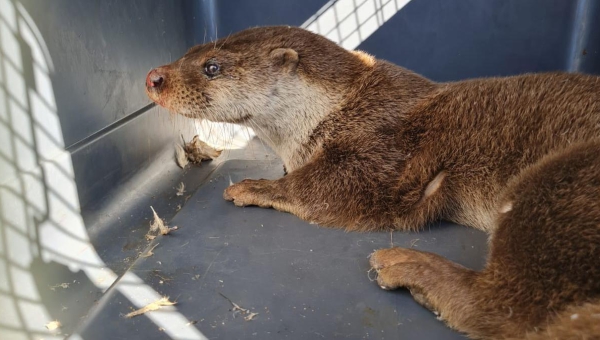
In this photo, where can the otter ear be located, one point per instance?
(286, 58)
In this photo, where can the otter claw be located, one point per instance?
(239, 203)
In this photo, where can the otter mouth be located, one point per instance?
(158, 101)
(159, 97)
(196, 115)
(155, 90)
(154, 95)
(240, 120)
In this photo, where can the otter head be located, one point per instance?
(281, 81)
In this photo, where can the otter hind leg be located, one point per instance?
(543, 254)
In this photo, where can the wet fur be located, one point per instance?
(371, 146)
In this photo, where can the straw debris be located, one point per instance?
(63, 285)
(150, 251)
(195, 152)
(158, 224)
(180, 156)
(53, 325)
(180, 189)
(198, 151)
(249, 316)
(156, 305)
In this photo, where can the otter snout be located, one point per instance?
(155, 85)
(155, 79)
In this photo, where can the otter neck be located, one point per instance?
(293, 115)
(290, 119)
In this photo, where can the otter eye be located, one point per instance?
(211, 69)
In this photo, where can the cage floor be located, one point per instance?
(302, 280)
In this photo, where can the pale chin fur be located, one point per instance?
(287, 120)
(284, 121)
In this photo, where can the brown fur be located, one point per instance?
(370, 145)
(580, 322)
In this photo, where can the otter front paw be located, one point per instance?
(251, 192)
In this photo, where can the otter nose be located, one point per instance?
(155, 79)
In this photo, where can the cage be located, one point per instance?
(84, 155)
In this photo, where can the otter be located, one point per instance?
(369, 145)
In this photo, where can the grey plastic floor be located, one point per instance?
(304, 281)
